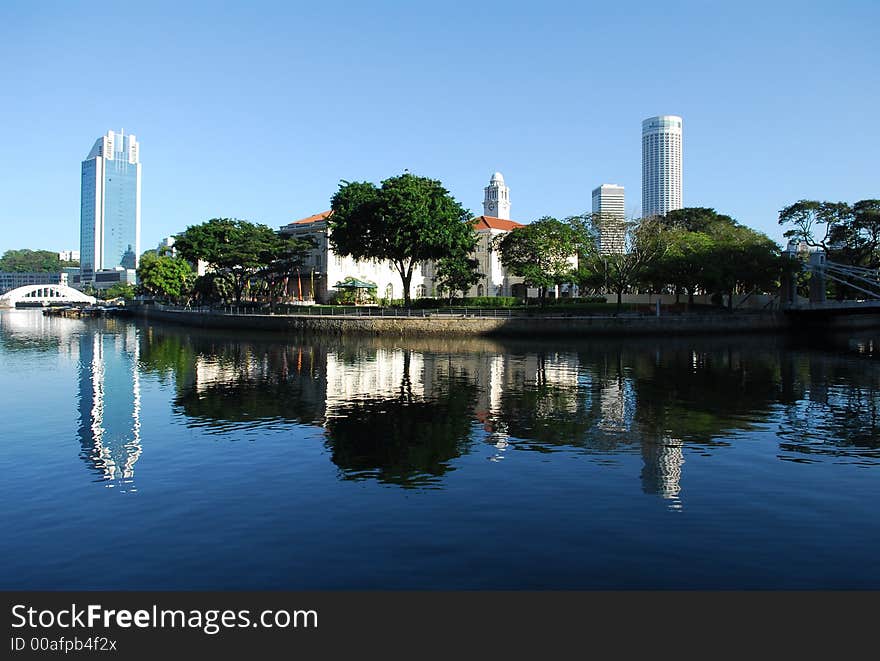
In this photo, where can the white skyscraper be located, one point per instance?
(496, 202)
(110, 211)
(661, 165)
(608, 203)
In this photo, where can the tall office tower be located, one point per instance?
(661, 165)
(608, 204)
(496, 202)
(110, 211)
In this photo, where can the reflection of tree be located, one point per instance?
(221, 379)
(838, 411)
(406, 440)
(242, 383)
(167, 355)
(700, 394)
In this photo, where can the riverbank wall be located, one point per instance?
(464, 326)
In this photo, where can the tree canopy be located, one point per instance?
(165, 276)
(457, 274)
(242, 250)
(30, 261)
(405, 220)
(618, 272)
(541, 253)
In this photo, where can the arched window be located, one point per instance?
(421, 291)
(479, 290)
(389, 291)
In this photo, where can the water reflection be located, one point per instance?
(410, 413)
(109, 402)
(403, 413)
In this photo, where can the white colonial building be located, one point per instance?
(323, 268)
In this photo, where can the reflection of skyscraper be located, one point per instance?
(109, 403)
(616, 404)
(661, 474)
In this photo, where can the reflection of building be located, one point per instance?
(661, 474)
(110, 213)
(616, 404)
(109, 402)
(385, 374)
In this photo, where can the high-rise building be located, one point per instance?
(661, 165)
(609, 211)
(496, 202)
(110, 211)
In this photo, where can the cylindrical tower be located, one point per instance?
(661, 165)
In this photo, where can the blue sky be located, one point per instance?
(257, 110)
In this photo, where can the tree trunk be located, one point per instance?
(619, 299)
(406, 279)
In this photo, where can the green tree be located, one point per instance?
(123, 290)
(284, 257)
(621, 271)
(742, 260)
(540, 253)
(695, 219)
(856, 240)
(28, 261)
(236, 247)
(406, 220)
(457, 274)
(685, 261)
(165, 276)
(813, 222)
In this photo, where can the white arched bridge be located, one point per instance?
(44, 294)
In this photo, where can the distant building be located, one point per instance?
(608, 204)
(69, 255)
(110, 211)
(323, 268)
(166, 249)
(496, 280)
(10, 280)
(496, 200)
(661, 165)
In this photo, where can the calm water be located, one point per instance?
(152, 457)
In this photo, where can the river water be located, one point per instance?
(139, 456)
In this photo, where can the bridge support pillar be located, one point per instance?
(817, 277)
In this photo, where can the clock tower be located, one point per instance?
(496, 203)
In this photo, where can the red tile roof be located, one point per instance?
(317, 218)
(480, 222)
(489, 222)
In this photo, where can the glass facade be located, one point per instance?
(110, 206)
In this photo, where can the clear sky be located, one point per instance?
(257, 110)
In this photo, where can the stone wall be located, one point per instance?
(447, 326)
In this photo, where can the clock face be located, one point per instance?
(491, 205)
